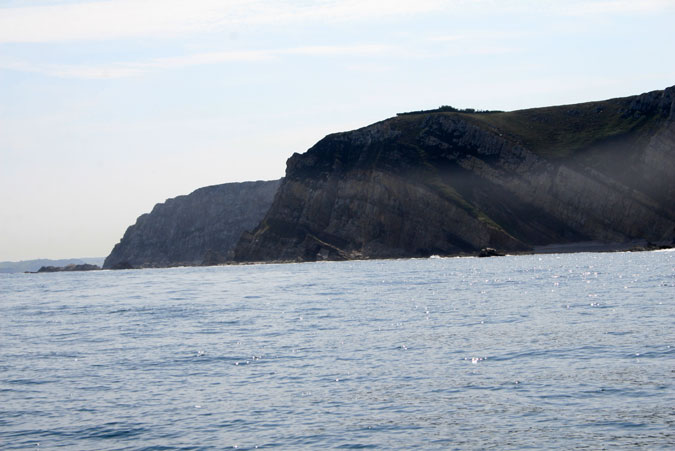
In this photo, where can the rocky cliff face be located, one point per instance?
(450, 183)
(200, 228)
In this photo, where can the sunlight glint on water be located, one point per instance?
(543, 351)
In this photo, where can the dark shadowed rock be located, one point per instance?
(447, 182)
(29, 266)
(199, 228)
(490, 252)
(71, 267)
(212, 258)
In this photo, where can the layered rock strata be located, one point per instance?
(451, 183)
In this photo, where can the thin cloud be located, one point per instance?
(328, 50)
(76, 71)
(618, 7)
(483, 35)
(121, 19)
(130, 69)
(102, 20)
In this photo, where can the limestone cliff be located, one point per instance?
(200, 228)
(447, 182)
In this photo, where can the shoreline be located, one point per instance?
(568, 248)
(599, 246)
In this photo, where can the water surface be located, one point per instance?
(543, 351)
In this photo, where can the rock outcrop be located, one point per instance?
(448, 182)
(69, 268)
(28, 266)
(200, 228)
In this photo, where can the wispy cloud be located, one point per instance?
(574, 7)
(328, 50)
(119, 19)
(130, 69)
(617, 7)
(478, 35)
(100, 20)
(75, 71)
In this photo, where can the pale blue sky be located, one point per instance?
(109, 107)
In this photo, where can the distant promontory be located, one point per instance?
(200, 228)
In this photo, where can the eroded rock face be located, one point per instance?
(452, 183)
(200, 228)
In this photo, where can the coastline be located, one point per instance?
(599, 246)
(566, 248)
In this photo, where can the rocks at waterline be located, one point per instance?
(68, 268)
(490, 252)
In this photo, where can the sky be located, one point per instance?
(108, 107)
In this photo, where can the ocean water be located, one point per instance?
(542, 351)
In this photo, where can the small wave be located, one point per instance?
(111, 431)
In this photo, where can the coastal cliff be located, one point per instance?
(200, 228)
(450, 182)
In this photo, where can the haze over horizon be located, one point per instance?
(109, 107)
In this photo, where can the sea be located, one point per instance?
(571, 351)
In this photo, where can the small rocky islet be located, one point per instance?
(438, 182)
(69, 268)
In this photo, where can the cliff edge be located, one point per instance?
(200, 228)
(448, 182)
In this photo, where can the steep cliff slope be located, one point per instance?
(451, 182)
(199, 228)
